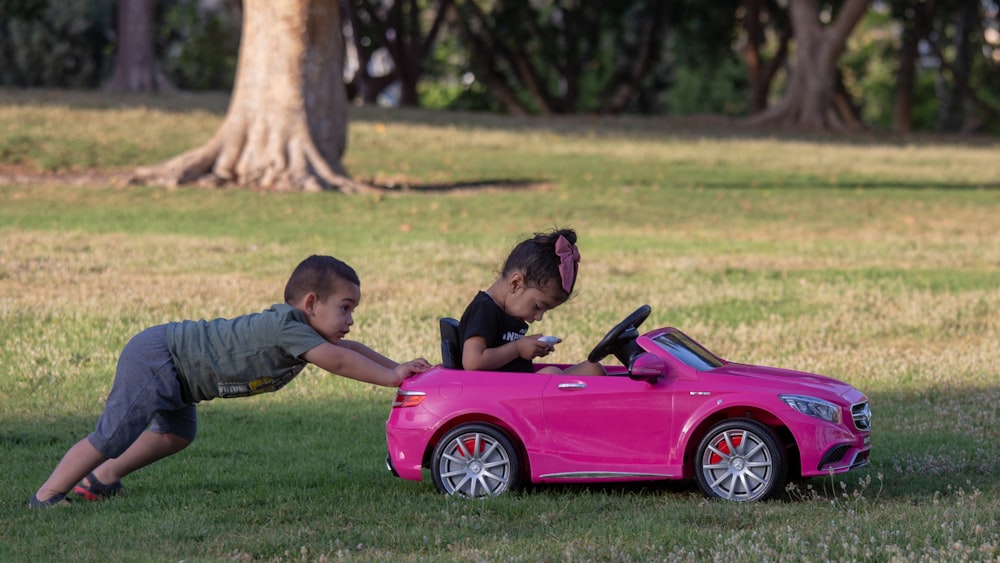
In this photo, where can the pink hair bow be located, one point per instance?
(569, 256)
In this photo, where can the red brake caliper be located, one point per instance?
(470, 445)
(723, 447)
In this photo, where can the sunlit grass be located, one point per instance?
(874, 262)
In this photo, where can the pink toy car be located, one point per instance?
(672, 410)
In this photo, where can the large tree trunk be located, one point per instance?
(136, 67)
(286, 128)
(812, 100)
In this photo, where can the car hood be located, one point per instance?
(785, 379)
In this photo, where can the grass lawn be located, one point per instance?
(872, 260)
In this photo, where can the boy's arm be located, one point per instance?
(344, 361)
(368, 353)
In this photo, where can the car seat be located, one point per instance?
(451, 344)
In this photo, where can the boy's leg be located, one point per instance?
(170, 432)
(145, 384)
(78, 461)
(150, 447)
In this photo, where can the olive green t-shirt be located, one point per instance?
(246, 355)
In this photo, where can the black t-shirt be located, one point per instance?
(483, 317)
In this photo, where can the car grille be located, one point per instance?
(862, 416)
(834, 455)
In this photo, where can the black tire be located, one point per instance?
(741, 460)
(476, 460)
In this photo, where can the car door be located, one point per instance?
(605, 425)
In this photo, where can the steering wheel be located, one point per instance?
(618, 337)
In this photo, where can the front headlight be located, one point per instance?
(812, 406)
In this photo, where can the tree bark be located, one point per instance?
(136, 66)
(812, 100)
(902, 114)
(952, 107)
(761, 72)
(363, 86)
(399, 27)
(410, 45)
(286, 127)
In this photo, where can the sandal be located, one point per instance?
(55, 500)
(97, 490)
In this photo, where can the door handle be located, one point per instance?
(573, 386)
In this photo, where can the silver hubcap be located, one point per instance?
(475, 465)
(737, 465)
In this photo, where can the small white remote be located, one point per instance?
(550, 340)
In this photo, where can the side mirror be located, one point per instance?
(647, 367)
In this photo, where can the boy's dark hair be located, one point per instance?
(537, 260)
(319, 275)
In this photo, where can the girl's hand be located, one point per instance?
(530, 347)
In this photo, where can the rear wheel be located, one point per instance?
(741, 460)
(475, 460)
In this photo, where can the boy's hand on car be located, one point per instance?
(410, 368)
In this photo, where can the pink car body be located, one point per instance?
(677, 412)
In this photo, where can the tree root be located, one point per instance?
(222, 163)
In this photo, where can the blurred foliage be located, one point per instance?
(71, 43)
(24, 9)
(55, 44)
(869, 68)
(580, 52)
(719, 88)
(200, 47)
(706, 72)
(562, 56)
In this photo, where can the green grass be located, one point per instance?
(876, 261)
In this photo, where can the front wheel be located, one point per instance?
(475, 460)
(741, 460)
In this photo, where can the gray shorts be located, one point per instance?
(146, 394)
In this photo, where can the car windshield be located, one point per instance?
(687, 351)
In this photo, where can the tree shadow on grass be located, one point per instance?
(490, 184)
(847, 184)
(22, 175)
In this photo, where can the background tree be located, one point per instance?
(915, 17)
(136, 66)
(965, 65)
(761, 18)
(949, 49)
(398, 26)
(640, 44)
(562, 56)
(814, 98)
(286, 127)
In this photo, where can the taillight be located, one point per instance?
(408, 398)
